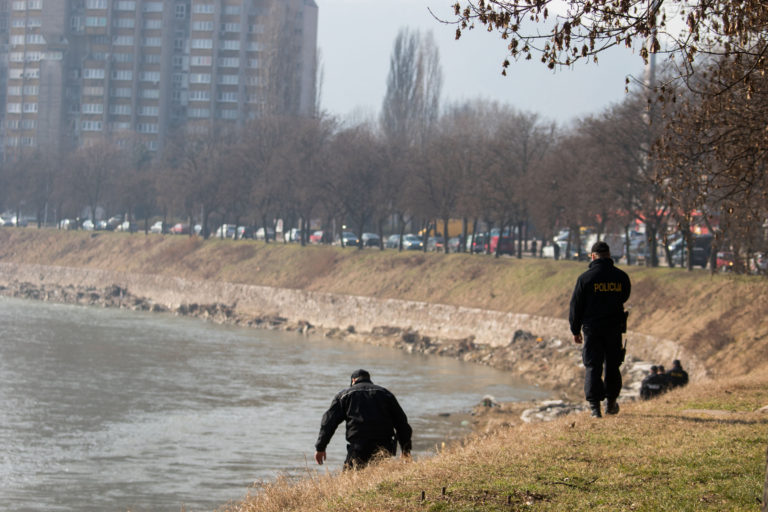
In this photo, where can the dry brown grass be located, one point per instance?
(722, 318)
(698, 448)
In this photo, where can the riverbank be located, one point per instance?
(504, 312)
(698, 448)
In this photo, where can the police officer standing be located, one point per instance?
(597, 308)
(374, 419)
(677, 377)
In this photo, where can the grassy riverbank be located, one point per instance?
(699, 448)
(723, 319)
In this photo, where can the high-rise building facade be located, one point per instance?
(77, 71)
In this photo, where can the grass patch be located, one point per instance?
(652, 456)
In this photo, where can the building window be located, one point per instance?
(28, 124)
(149, 76)
(153, 41)
(13, 108)
(199, 113)
(230, 27)
(125, 5)
(228, 114)
(229, 79)
(228, 62)
(146, 127)
(122, 74)
(30, 107)
(14, 90)
(93, 91)
(204, 95)
(31, 90)
(123, 41)
(230, 44)
(202, 8)
(228, 96)
(153, 7)
(200, 60)
(232, 9)
(152, 94)
(121, 92)
(181, 11)
(122, 57)
(92, 108)
(93, 73)
(204, 44)
(35, 4)
(124, 22)
(152, 58)
(153, 24)
(19, 6)
(199, 78)
(120, 110)
(91, 126)
(95, 21)
(202, 25)
(95, 4)
(149, 111)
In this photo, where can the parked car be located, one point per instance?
(371, 240)
(702, 245)
(393, 242)
(225, 231)
(435, 243)
(179, 229)
(88, 225)
(348, 239)
(67, 224)
(454, 243)
(114, 222)
(507, 244)
(478, 245)
(316, 237)
(725, 261)
(412, 242)
(157, 227)
(259, 234)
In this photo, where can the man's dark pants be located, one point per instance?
(360, 454)
(602, 348)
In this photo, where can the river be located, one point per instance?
(111, 410)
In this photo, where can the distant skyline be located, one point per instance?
(355, 39)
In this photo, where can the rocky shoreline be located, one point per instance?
(548, 362)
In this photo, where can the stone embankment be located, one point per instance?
(538, 349)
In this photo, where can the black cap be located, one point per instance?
(676, 362)
(361, 374)
(601, 248)
(654, 368)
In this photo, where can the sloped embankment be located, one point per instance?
(719, 324)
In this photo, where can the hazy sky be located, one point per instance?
(355, 38)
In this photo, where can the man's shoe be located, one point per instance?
(596, 410)
(612, 407)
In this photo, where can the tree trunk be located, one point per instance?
(445, 234)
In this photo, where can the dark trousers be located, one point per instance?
(359, 454)
(602, 350)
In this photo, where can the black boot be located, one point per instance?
(595, 408)
(612, 407)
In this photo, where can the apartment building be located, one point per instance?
(76, 71)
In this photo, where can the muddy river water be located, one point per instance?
(110, 410)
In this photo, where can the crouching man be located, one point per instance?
(375, 423)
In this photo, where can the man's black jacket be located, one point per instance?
(372, 414)
(599, 296)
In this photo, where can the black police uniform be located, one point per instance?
(374, 419)
(597, 307)
(677, 377)
(653, 385)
